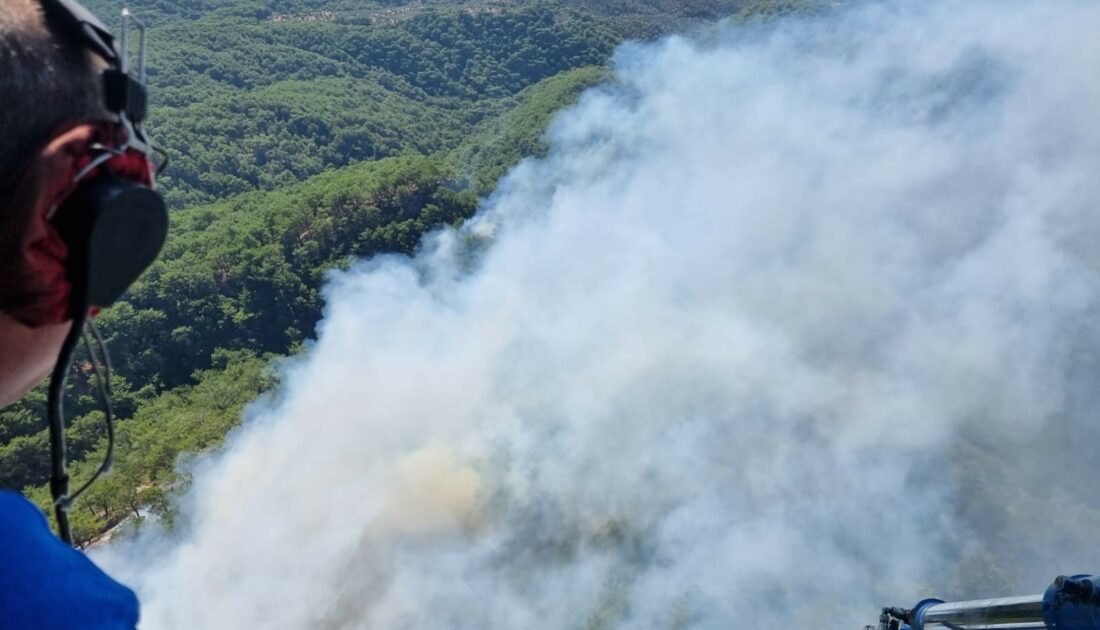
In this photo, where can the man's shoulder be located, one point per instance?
(45, 584)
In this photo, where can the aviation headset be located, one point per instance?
(112, 222)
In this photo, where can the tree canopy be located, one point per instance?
(303, 134)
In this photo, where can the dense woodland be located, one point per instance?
(303, 134)
(308, 133)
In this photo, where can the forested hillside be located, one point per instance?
(304, 133)
(312, 96)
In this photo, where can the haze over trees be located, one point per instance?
(304, 134)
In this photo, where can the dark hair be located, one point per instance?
(44, 82)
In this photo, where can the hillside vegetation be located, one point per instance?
(304, 134)
(312, 96)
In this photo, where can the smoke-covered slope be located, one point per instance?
(749, 348)
(241, 278)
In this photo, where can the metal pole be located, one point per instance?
(1015, 613)
(124, 42)
(141, 57)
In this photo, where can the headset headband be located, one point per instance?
(79, 25)
(124, 95)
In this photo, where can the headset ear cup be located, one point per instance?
(127, 233)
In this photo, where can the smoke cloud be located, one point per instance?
(796, 320)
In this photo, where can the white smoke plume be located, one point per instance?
(795, 321)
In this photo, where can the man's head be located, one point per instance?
(79, 220)
(46, 80)
(47, 84)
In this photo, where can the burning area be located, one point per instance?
(796, 318)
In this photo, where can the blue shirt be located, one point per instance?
(45, 584)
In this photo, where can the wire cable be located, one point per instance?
(59, 476)
(101, 367)
(103, 383)
(166, 159)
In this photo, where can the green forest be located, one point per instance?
(305, 134)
